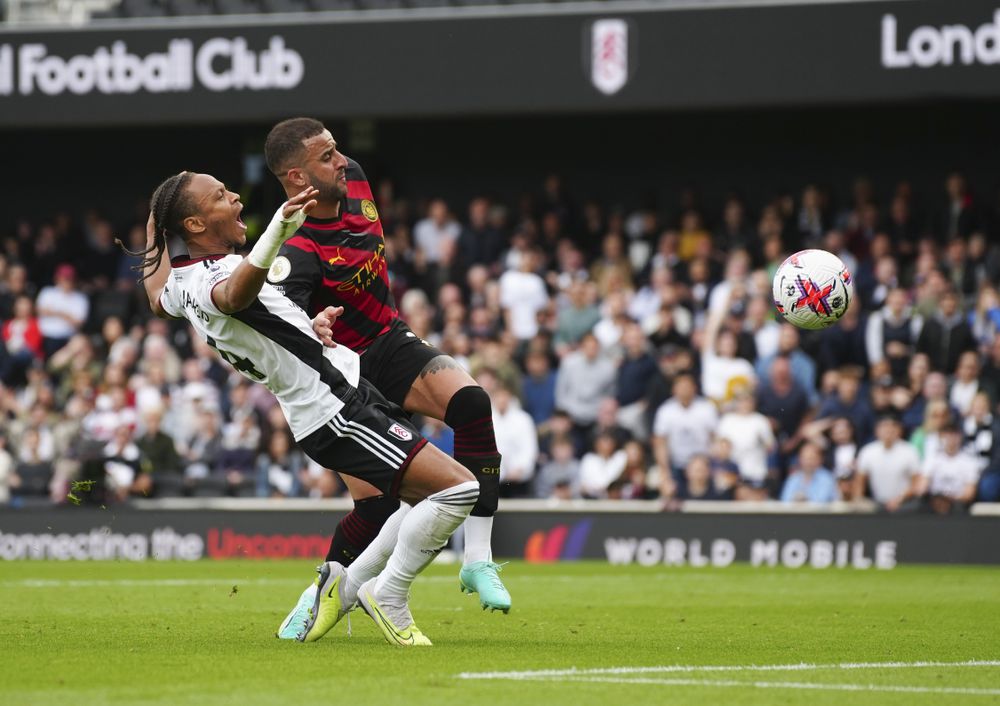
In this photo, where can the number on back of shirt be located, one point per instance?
(243, 365)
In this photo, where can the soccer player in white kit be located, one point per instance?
(337, 418)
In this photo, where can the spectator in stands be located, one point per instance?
(978, 430)
(786, 405)
(607, 422)
(517, 438)
(803, 368)
(34, 464)
(843, 344)
(761, 325)
(683, 427)
(946, 335)
(62, 310)
(203, 447)
(725, 472)
(967, 384)
(890, 469)
(279, 468)
(635, 370)
(636, 482)
(935, 387)
(538, 389)
(950, 475)
(601, 466)
(9, 480)
(158, 457)
(810, 481)
(560, 476)
(848, 401)
(984, 319)
(241, 438)
(480, 242)
(614, 320)
(752, 439)
(612, 271)
(891, 333)
(926, 439)
(23, 341)
(121, 467)
(698, 481)
(961, 217)
(523, 297)
(585, 377)
(721, 370)
(435, 235)
(577, 318)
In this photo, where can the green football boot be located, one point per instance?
(483, 577)
(393, 620)
(328, 607)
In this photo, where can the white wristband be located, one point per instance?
(274, 236)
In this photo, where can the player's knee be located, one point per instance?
(376, 510)
(468, 405)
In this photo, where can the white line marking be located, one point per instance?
(689, 668)
(785, 685)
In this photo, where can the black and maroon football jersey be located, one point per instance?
(341, 262)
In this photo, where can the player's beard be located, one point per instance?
(329, 193)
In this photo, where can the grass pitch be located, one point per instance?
(202, 633)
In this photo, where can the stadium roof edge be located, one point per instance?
(582, 7)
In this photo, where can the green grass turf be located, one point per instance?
(120, 633)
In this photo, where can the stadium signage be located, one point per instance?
(609, 55)
(720, 553)
(218, 64)
(928, 46)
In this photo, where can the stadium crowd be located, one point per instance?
(627, 354)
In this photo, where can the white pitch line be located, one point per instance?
(726, 683)
(694, 668)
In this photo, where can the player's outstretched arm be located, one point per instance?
(241, 289)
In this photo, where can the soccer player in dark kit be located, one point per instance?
(336, 259)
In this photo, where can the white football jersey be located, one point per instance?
(271, 342)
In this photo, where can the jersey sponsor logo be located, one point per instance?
(367, 272)
(280, 269)
(400, 432)
(368, 210)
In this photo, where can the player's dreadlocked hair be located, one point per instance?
(284, 143)
(170, 205)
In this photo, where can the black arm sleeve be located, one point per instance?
(302, 276)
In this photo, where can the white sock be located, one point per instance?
(424, 532)
(372, 560)
(478, 537)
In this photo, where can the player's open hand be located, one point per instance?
(323, 324)
(303, 201)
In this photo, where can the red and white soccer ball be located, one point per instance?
(812, 289)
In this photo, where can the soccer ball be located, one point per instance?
(812, 289)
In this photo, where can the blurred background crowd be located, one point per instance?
(628, 353)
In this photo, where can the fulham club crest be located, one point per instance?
(400, 432)
(609, 55)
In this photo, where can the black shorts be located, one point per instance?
(370, 439)
(395, 360)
